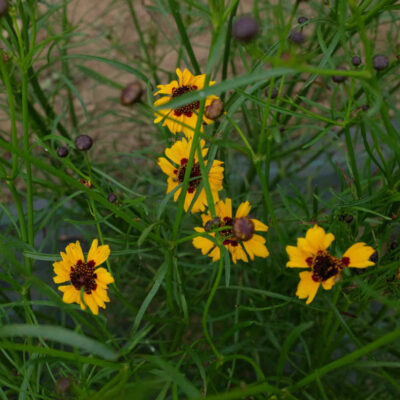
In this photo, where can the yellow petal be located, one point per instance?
(98, 298)
(189, 125)
(259, 226)
(61, 278)
(98, 254)
(104, 276)
(166, 166)
(327, 285)
(167, 89)
(256, 247)
(243, 210)
(172, 184)
(307, 287)
(198, 81)
(74, 252)
(359, 255)
(215, 254)
(70, 294)
(237, 253)
(200, 203)
(316, 240)
(161, 101)
(90, 302)
(224, 208)
(297, 257)
(179, 150)
(203, 244)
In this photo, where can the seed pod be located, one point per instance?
(215, 109)
(274, 92)
(339, 78)
(380, 62)
(393, 245)
(3, 7)
(297, 37)
(62, 152)
(245, 28)
(83, 142)
(302, 20)
(243, 228)
(112, 198)
(131, 94)
(356, 60)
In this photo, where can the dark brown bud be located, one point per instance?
(3, 7)
(374, 257)
(339, 78)
(215, 109)
(63, 385)
(356, 60)
(302, 20)
(380, 62)
(112, 198)
(83, 142)
(245, 29)
(131, 94)
(349, 219)
(365, 107)
(212, 224)
(393, 245)
(243, 228)
(62, 152)
(297, 37)
(274, 92)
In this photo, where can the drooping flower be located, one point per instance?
(311, 252)
(184, 118)
(175, 167)
(87, 283)
(238, 233)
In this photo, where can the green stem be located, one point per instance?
(208, 304)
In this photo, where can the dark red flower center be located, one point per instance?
(83, 275)
(325, 266)
(188, 108)
(195, 175)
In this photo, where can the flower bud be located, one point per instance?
(131, 94)
(302, 20)
(374, 257)
(3, 7)
(63, 384)
(88, 184)
(212, 223)
(339, 78)
(83, 142)
(243, 228)
(274, 93)
(112, 198)
(215, 109)
(297, 37)
(380, 62)
(356, 60)
(245, 29)
(62, 152)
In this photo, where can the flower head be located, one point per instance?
(238, 233)
(84, 276)
(184, 118)
(311, 252)
(175, 167)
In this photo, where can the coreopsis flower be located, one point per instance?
(238, 233)
(175, 167)
(184, 118)
(87, 283)
(311, 252)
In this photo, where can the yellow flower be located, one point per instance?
(326, 269)
(175, 168)
(239, 233)
(183, 118)
(84, 275)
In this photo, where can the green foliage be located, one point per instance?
(180, 326)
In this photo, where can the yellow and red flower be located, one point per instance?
(184, 118)
(311, 252)
(175, 167)
(88, 283)
(238, 233)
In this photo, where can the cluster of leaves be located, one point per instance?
(320, 150)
